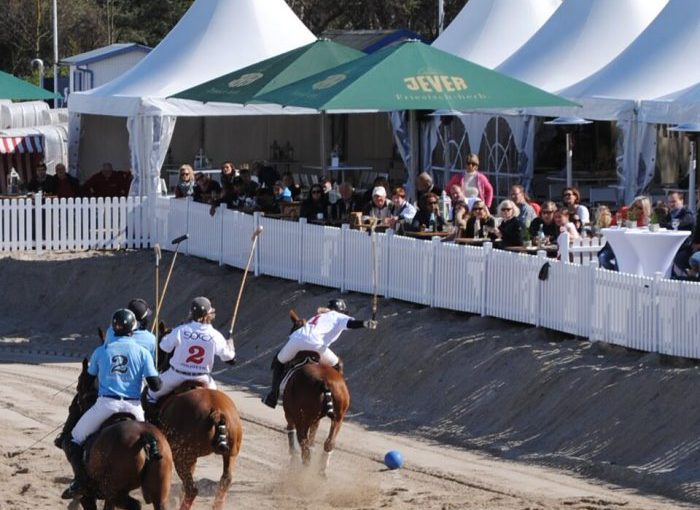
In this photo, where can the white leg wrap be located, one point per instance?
(325, 461)
(292, 440)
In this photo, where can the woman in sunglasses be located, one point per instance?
(571, 198)
(480, 223)
(315, 207)
(185, 183)
(510, 231)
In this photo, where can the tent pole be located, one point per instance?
(322, 121)
(692, 169)
(413, 140)
(569, 161)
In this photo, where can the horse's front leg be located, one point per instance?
(88, 503)
(329, 445)
(184, 465)
(229, 459)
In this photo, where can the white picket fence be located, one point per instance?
(649, 314)
(73, 224)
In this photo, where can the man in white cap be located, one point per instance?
(194, 346)
(379, 207)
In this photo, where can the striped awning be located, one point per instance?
(21, 144)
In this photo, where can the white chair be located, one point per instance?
(579, 250)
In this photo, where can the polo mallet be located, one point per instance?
(156, 250)
(257, 232)
(176, 242)
(375, 269)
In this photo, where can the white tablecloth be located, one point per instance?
(639, 251)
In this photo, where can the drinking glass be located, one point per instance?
(675, 223)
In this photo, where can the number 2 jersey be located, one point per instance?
(195, 346)
(121, 366)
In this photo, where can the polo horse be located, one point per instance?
(123, 455)
(198, 422)
(304, 402)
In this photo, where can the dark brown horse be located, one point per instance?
(123, 455)
(198, 422)
(303, 402)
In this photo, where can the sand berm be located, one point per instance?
(515, 391)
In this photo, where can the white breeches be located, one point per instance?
(297, 344)
(104, 408)
(171, 380)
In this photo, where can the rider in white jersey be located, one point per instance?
(194, 345)
(317, 334)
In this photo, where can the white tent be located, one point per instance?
(676, 108)
(214, 37)
(579, 39)
(657, 63)
(489, 31)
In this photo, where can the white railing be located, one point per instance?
(53, 224)
(649, 314)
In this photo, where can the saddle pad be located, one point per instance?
(291, 372)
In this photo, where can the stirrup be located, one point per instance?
(74, 491)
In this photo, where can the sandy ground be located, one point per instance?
(433, 477)
(488, 414)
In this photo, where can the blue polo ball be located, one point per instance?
(393, 459)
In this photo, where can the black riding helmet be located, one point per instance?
(338, 305)
(123, 322)
(200, 308)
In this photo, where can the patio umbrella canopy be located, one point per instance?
(244, 85)
(16, 89)
(410, 76)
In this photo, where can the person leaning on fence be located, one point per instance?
(545, 221)
(107, 183)
(510, 231)
(206, 189)
(429, 217)
(66, 186)
(185, 182)
(228, 174)
(471, 179)
(480, 222)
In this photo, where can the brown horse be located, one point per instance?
(122, 456)
(198, 422)
(303, 402)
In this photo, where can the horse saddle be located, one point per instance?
(186, 386)
(301, 359)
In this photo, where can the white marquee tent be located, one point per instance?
(487, 32)
(214, 37)
(580, 38)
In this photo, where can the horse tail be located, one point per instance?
(149, 443)
(220, 443)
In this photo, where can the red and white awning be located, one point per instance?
(21, 144)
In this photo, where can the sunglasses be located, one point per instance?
(568, 195)
(432, 203)
(506, 208)
(478, 209)
(548, 212)
(315, 191)
(472, 163)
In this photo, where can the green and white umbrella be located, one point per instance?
(410, 76)
(244, 85)
(13, 88)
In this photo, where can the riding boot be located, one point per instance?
(277, 369)
(339, 366)
(151, 411)
(77, 486)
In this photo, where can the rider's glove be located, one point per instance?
(370, 324)
(231, 362)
